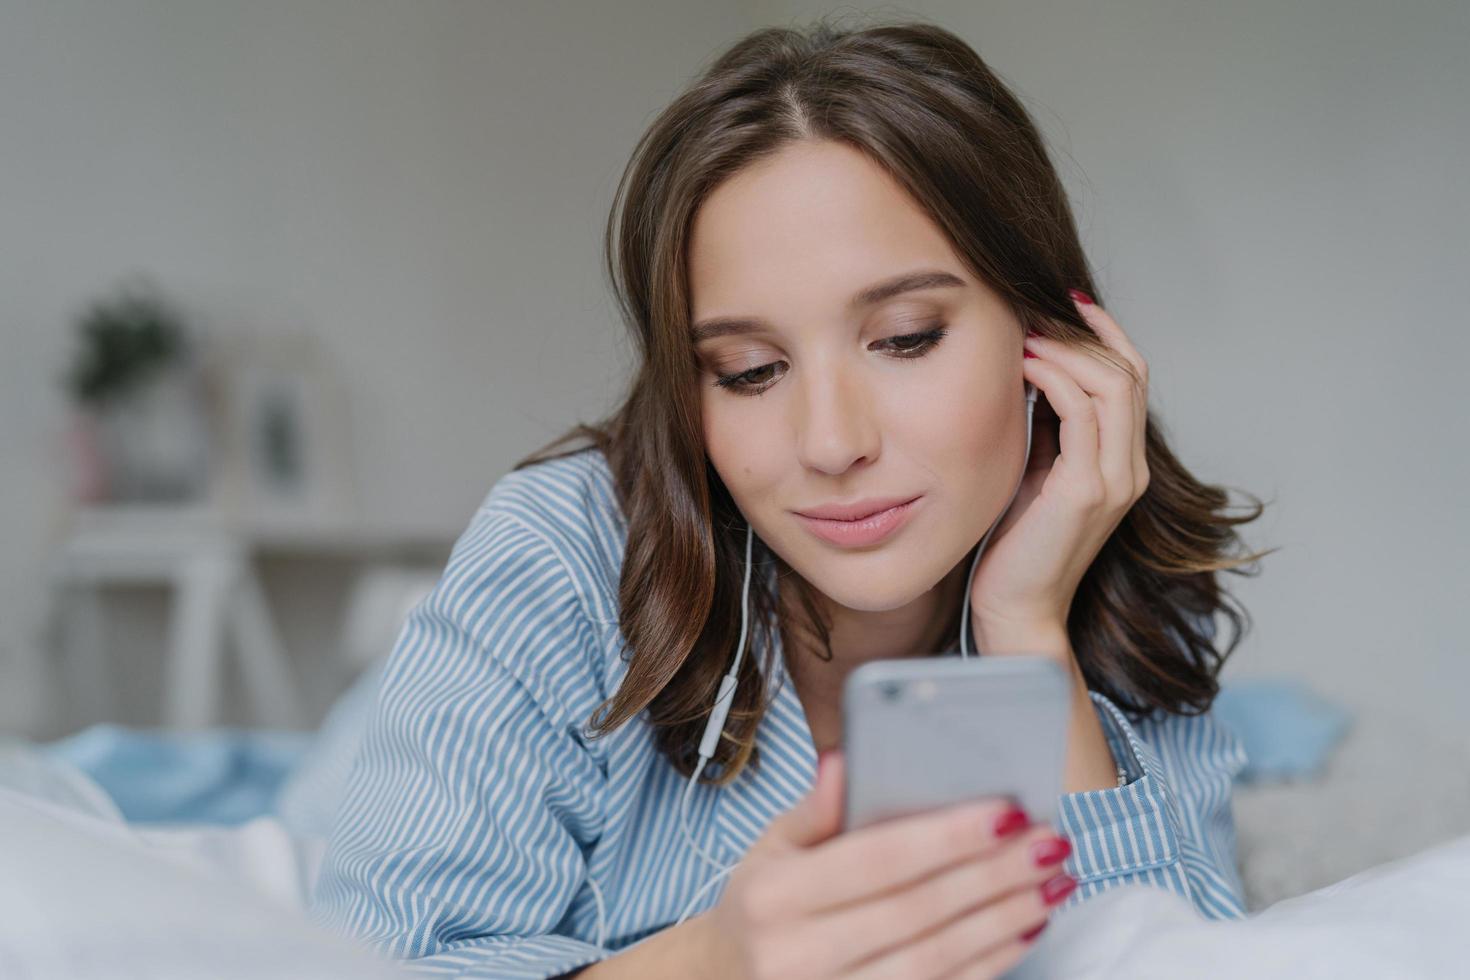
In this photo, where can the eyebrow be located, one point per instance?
(725, 326)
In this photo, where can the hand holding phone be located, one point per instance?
(961, 890)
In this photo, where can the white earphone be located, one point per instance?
(715, 727)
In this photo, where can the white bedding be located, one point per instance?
(84, 896)
(1406, 918)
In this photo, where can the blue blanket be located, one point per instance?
(222, 776)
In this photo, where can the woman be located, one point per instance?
(845, 259)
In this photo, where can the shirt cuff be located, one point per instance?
(1127, 828)
(528, 958)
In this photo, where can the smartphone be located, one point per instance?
(925, 732)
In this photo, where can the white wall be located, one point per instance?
(1273, 197)
(422, 184)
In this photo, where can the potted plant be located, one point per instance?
(134, 382)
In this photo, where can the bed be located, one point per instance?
(214, 880)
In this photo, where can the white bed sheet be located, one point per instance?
(1403, 919)
(85, 896)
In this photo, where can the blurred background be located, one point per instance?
(288, 284)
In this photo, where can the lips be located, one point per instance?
(876, 521)
(854, 511)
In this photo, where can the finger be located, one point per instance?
(878, 858)
(1078, 433)
(1112, 334)
(865, 929)
(1114, 399)
(981, 933)
(1108, 328)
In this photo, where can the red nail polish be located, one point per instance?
(1053, 890)
(1031, 934)
(1010, 822)
(1027, 353)
(1052, 850)
(1082, 297)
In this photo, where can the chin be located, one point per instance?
(870, 582)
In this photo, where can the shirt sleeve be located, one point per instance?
(473, 800)
(1171, 825)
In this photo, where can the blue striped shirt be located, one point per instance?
(478, 808)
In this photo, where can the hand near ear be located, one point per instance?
(1087, 468)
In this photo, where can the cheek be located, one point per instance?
(955, 421)
(741, 447)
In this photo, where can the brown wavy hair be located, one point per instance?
(922, 104)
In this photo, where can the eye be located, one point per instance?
(916, 344)
(907, 346)
(747, 382)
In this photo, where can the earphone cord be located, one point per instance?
(980, 549)
(714, 728)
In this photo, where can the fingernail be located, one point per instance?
(1053, 890)
(1010, 822)
(1027, 353)
(1031, 934)
(1082, 297)
(1052, 850)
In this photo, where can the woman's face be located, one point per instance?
(834, 398)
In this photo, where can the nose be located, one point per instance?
(836, 425)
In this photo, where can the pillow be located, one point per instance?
(82, 898)
(31, 771)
